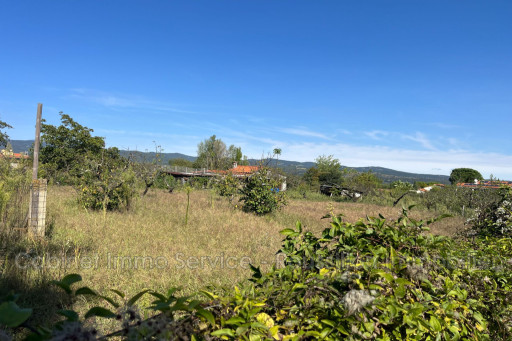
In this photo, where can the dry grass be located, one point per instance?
(155, 228)
(151, 247)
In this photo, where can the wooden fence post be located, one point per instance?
(37, 208)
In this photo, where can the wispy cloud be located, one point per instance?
(303, 132)
(444, 125)
(377, 134)
(421, 139)
(121, 101)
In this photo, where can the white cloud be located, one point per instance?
(376, 134)
(421, 139)
(409, 160)
(119, 101)
(303, 132)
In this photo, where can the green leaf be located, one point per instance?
(67, 281)
(100, 312)
(207, 315)
(403, 281)
(223, 332)
(386, 275)
(298, 225)
(119, 293)
(70, 279)
(162, 297)
(85, 291)
(256, 272)
(400, 291)
(135, 298)
(63, 286)
(71, 315)
(235, 320)
(12, 316)
(109, 300)
(288, 232)
(434, 323)
(329, 323)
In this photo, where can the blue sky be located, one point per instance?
(420, 86)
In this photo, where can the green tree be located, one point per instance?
(107, 181)
(464, 175)
(65, 148)
(310, 177)
(235, 154)
(328, 170)
(366, 182)
(211, 153)
(4, 138)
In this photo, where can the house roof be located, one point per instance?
(244, 169)
(486, 184)
(238, 170)
(14, 155)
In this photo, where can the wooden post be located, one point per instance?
(37, 208)
(37, 141)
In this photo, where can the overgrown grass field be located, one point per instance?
(150, 246)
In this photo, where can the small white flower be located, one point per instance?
(355, 300)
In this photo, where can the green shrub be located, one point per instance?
(229, 186)
(261, 194)
(496, 218)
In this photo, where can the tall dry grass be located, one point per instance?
(150, 246)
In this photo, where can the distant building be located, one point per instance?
(428, 188)
(245, 171)
(14, 157)
(486, 184)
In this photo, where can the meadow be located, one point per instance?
(150, 246)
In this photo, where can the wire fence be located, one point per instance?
(14, 206)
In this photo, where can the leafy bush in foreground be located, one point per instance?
(496, 218)
(371, 280)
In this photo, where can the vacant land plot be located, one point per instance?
(150, 246)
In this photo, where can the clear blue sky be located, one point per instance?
(421, 86)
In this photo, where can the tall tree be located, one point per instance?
(464, 175)
(211, 153)
(235, 154)
(329, 170)
(64, 148)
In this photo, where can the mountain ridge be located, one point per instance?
(387, 175)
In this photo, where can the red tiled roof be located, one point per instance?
(486, 184)
(15, 156)
(244, 169)
(238, 170)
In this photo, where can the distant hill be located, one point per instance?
(293, 167)
(21, 146)
(150, 156)
(385, 174)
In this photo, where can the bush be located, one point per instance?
(261, 193)
(496, 218)
(229, 186)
